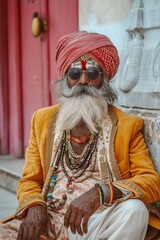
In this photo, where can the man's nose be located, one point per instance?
(83, 78)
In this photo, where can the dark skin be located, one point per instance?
(79, 130)
(82, 208)
(33, 224)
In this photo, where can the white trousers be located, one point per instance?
(122, 221)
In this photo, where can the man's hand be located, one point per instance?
(80, 211)
(32, 226)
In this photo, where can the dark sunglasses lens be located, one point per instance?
(92, 73)
(74, 73)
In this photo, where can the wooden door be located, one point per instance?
(35, 82)
(4, 113)
(31, 63)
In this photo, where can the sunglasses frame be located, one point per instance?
(81, 71)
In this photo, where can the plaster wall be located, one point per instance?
(106, 16)
(134, 27)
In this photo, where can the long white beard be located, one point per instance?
(86, 107)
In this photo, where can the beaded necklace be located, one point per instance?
(49, 199)
(71, 152)
(58, 204)
(85, 164)
(76, 160)
(76, 163)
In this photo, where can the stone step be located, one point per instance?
(10, 172)
(8, 180)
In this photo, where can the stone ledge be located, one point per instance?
(8, 179)
(151, 131)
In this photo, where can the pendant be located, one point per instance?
(70, 187)
(69, 190)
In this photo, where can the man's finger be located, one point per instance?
(37, 233)
(78, 222)
(30, 233)
(20, 233)
(23, 232)
(72, 221)
(85, 224)
(66, 217)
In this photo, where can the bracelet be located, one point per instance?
(24, 213)
(109, 193)
(101, 193)
(106, 191)
(111, 187)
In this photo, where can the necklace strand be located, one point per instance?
(73, 177)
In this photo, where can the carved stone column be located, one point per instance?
(140, 63)
(139, 72)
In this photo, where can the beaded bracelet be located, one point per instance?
(111, 187)
(101, 193)
(106, 191)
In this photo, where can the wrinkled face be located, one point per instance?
(85, 72)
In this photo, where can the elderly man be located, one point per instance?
(88, 172)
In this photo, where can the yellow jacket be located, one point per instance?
(131, 160)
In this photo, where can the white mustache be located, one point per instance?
(80, 89)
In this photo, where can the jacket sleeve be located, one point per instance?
(30, 185)
(143, 181)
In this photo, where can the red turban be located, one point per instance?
(72, 46)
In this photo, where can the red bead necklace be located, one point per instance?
(82, 139)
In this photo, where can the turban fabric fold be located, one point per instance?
(72, 46)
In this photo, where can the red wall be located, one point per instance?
(61, 22)
(4, 102)
(28, 64)
(14, 80)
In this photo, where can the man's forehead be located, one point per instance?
(79, 64)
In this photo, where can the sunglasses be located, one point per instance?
(91, 73)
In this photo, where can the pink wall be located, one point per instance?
(4, 100)
(31, 65)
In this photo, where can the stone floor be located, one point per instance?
(10, 172)
(8, 203)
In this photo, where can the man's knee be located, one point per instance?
(137, 209)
